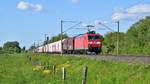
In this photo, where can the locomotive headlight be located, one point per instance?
(98, 42)
(90, 42)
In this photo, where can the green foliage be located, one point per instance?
(135, 41)
(139, 37)
(23, 49)
(16, 69)
(1, 48)
(111, 41)
(12, 47)
(32, 48)
(57, 38)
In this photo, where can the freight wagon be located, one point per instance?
(39, 49)
(68, 45)
(55, 47)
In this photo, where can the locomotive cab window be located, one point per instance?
(93, 37)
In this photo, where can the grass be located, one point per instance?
(16, 69)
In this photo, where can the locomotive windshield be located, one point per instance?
(93, 37)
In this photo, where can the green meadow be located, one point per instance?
(18, 69)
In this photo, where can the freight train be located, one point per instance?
(89, 42)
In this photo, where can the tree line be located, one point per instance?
(55, 38)
(135, 41)
(12, 47)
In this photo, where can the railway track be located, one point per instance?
(121, 58)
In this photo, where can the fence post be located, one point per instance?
(85, 70)
(63, 73)
(54, 68)
(44, 65)
(40, 63)
(29, 58)
(47, 65)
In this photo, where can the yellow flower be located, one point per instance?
(67, 62)
(66, 65)
(46, 71)
(37, 68)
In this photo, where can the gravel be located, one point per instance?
(129, 59)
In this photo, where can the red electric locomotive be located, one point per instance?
(84, 43)
(88, 42)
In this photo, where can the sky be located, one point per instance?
(27, 21)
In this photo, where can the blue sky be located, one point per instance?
(27, 21)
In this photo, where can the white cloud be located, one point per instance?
(123, 16)
(75, 1)
(38, 7)
(131, 13)
(28, 6)
(23, 5)
(141, 8)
